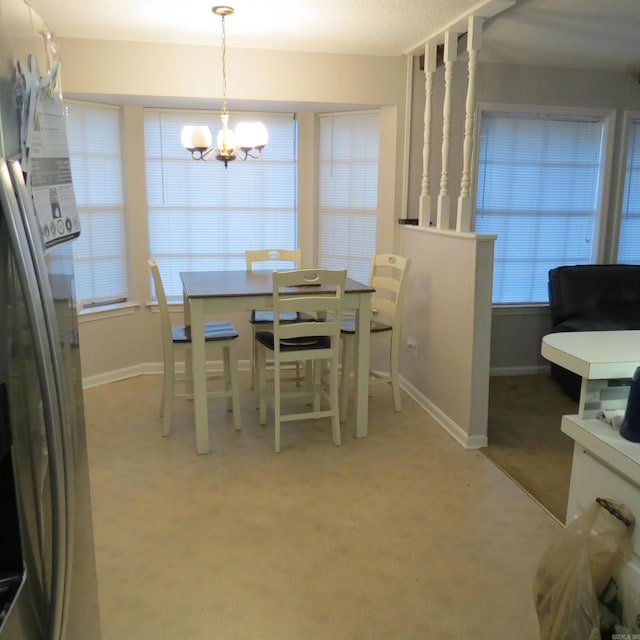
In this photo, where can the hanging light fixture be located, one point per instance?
(249, 138)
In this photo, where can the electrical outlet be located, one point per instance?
(412, 343)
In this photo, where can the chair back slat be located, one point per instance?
(271, 259)
(326, 301)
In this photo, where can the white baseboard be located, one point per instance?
(449, 425)
(113, 376)
(147, 368)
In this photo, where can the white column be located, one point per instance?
(430, 55)
(444, 200)
(465, 209)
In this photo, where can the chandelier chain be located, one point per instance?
(224, 67)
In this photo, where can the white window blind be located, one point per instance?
(629, 239)
(100, 252)
(538, 188)
(202, 216)
(348, 193)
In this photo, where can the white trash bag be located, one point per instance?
(575, 570)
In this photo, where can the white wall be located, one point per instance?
(449, 313)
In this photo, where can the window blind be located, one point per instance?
(202, 216)
(99, 253)
(629, 239)
(348, 191)
(538, 186)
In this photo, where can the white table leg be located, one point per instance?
(199, 380)
(363, 335)
(188, 362)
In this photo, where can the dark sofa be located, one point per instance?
(592, 297)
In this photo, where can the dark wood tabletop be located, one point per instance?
(215, 284)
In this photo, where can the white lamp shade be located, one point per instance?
(226, 135)
(196, 137)
(251, 134)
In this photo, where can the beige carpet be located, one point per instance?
(403, 535)
(525, 438)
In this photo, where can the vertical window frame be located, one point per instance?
(630, 119)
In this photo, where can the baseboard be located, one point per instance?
(148, 368)
(449, 425)
(113, 376)
(543, 369)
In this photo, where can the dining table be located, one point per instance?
(212, 293)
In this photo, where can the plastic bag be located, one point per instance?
(575, 570)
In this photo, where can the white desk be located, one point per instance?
(209, 293)
(599, 357)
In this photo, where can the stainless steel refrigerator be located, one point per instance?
(48, 586)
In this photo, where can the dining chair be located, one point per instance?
(317, 344)
(388, 276)
(262, 319)
(178, 338)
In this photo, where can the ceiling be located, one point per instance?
(589, 33)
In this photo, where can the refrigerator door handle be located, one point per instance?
(29, 259)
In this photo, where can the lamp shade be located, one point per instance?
(196, 137)
(226, 140)
(251, 135)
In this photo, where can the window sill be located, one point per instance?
(533, 308)
(174, 307)
(108, 311)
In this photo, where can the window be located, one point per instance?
(348, 193)
(100, 252)
(539, 189)
(202, 215)
(629, 240)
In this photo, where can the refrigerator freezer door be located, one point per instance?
(55, 275)
(28, 378)
(58, 600)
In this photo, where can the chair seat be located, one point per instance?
(293, 344)
(266, 317)
(212, 331)
(348, 325)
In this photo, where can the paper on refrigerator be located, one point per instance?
(45, 156)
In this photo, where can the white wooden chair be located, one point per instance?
(269, 259)
(178, 338)
(388, 276)
(315, 343)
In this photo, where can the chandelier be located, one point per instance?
(249, 138)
